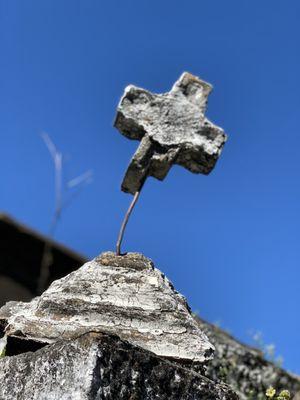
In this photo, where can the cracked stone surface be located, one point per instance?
(172, 128)
(244, 368)
(123, 295)
(79, 364)
(102, 367)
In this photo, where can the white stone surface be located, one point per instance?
(124, 295)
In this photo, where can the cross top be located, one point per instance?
(172, 128)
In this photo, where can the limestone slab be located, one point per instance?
(122, 295)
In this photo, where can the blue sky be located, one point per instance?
(228, 241)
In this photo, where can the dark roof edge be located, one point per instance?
(44, 238)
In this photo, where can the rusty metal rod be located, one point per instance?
(124, 223)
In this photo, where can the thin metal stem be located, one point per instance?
(126, 218)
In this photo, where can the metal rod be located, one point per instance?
(124, 223)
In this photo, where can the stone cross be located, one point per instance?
(172, 128)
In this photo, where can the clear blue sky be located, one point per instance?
(229, 241)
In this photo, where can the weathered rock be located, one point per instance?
(123, 295)
(129, 297)
(172, 128)
(244, 368)
(102, 367)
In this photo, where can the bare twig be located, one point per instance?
(57, 160)
(60, 205)
(86, 177)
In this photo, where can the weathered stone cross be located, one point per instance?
(172, 128)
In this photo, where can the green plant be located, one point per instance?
(283, 395)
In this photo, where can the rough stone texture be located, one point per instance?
(123, 295)
(102, 367)
(244, 368)
(172, 129)
(138, 301)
